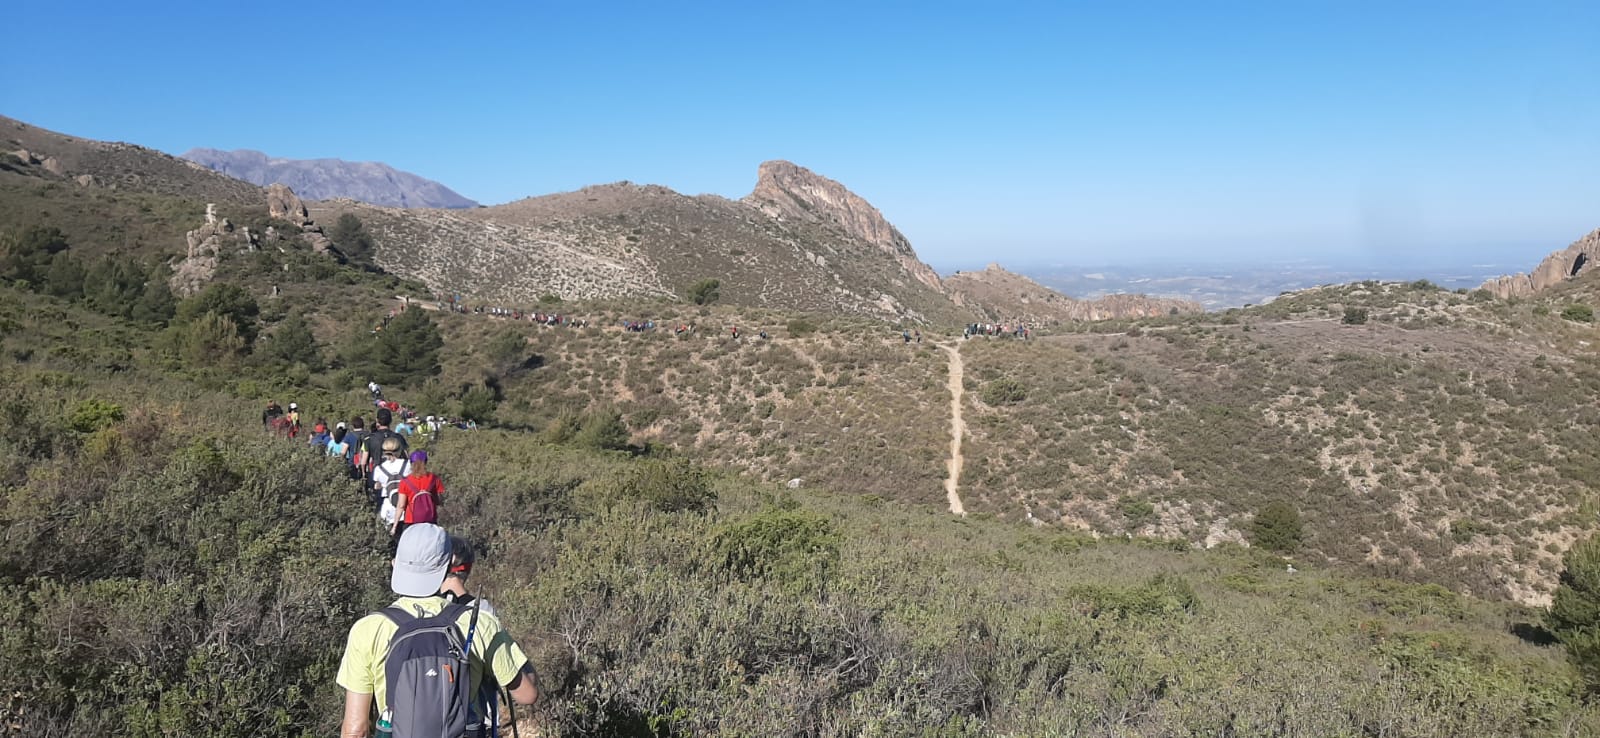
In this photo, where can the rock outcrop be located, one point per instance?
(1555, 269)
(789, 191)
(205, 246)
(1006, 297)
(284, 204)
(326, 179)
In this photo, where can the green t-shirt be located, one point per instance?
(361, 669)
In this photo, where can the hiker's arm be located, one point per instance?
(522, 689)
(357, 715)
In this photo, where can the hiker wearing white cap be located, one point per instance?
(408, 648)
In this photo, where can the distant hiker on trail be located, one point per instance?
(421, 493)
(736, 333)
(423, 632)
(270, 416)
(919, 336)
(386, 478)
(377, 392)
(905, 336)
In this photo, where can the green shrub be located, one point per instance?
(668, 485)
(603, 430)
(1578, 313)
(1354, 316)
(1163, 595)
(1277, 527)
(92, 415)
(801, 327)
(704, 292)
(1138, 512)
(1463, 530)
(798, 548)
(1004, 392)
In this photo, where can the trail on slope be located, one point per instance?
(958, 428)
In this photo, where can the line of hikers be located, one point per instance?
(456, 305)
(288, 425)
(997, 329)
(419, 665)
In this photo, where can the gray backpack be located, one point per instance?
(426, 673)
(391, 486)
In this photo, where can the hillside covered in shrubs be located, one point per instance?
(173, 569)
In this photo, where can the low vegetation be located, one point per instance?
(1271, 521)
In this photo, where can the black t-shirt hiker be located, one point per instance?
(374, 443)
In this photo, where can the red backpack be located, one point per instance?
(422, 504)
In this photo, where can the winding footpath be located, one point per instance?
(958, 428)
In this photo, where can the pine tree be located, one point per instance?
(211, 339)
(352, 239)
(26, 257)
(156, 305)
(293, 343)
(227, 300)
(65, 277)
(1575, 614)
(407, 350)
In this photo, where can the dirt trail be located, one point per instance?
(958, 428)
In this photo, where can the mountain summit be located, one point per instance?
(789, 191)
(325, 179)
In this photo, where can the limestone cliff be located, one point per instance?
(789, 191)
(1555, 269)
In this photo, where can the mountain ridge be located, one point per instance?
(1003, 295)
(328, 178)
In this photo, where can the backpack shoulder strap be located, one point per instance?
(397, 615)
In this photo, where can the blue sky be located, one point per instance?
(1223, 132)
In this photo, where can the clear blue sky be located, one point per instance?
(1024, 132)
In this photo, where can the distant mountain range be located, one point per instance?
(326, 179)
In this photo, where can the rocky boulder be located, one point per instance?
(283, 203)
(1555, 269)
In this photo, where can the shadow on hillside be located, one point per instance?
(1533, 633)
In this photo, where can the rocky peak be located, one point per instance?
(1553, 270)
(789, 191)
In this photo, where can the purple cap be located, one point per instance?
(419, 455)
